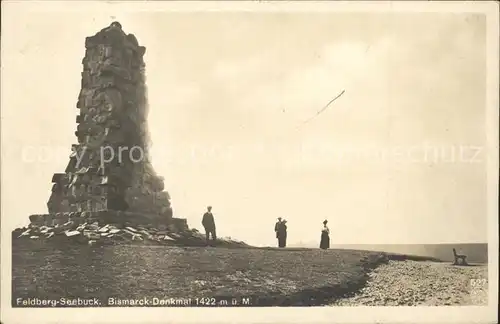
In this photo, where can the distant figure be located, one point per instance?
(325, 237)
(208, 223)
(281, 233)
(277, 226)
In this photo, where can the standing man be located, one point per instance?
(277, 228)
(208, 223)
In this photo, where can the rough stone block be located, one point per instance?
(103, 229)
(37, 220)
(72, 233)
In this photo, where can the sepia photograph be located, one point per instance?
(249, 158)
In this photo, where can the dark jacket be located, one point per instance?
(281, 230)
(277, 226)
(208, 220)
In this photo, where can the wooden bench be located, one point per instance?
(460, 259)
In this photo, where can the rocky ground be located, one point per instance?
(99, 233)
(412, 283)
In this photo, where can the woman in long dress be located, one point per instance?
(282, 234)
(325, 237)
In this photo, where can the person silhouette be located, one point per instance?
(281, 233)
(277, 226)
(325, 237)
(208, 223)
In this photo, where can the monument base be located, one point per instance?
(121, 218)
(111, 227)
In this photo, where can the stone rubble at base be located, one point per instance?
(110, 234)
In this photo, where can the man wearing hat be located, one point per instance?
(280, 229)
(277, 226)
(208, 223)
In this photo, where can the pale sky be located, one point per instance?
(228, 95)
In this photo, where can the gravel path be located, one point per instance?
(411, 283)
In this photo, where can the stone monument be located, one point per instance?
(109, 174)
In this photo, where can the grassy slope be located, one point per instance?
(270, 276)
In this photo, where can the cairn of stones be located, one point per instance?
(109, 168)
(110, 190)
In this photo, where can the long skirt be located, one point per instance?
(325, 241)
(282, 240)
